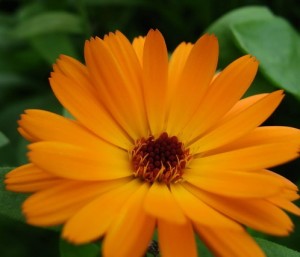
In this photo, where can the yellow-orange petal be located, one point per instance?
(176, 240)
(155, 77)
(160, 203)
(79, 163)
(199, 212)
(138, 46)
(193, 82)
(232, 129)
(84, 105)
(258, 214)
(260, 136)
(285, 204)
(229, 243)
(248, 158)
(118, 86)
(234, 183)
(132, 230)
(39, 124)
(176, 64)
(226, 89)
(93, 220)
(29, 178)
(75, 70)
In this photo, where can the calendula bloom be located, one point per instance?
(157, 144)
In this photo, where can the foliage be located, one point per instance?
(34, 33)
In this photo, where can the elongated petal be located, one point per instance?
(39, 124)
(176, 240)
(131, 232)
(29, 178)
(116, 74)
(176, 65)
(249, 158)
(84, 105)
(193, 82)
(74, 162)
(93, 220)
(255, 213)
(235, 183)
(160, 203)
(231, 130)
(200, 212)
(155, 77)
(229, 243)
(138, 46)
(58, 203)
(285, 204)
(227, 88)
(260, 136)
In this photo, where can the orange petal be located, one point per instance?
(74, 162)
(160, 203)
(84, 105)
(249, 158)
(234, 183)
(131, 232)
(229, 243)
(258, 214)
(58, 203)
(75, 70)
(138, 46)
(116, 74)
(93, 220)
(227, 88)
(155, 77)
(47, 126)
(176, 240)
(261, 135)
(176, 65)
(232, 129)
(285, 204)
(193, 82)
(200, 212)
(29, 178)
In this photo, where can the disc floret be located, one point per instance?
(161, 159)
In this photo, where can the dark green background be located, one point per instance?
(34, 33)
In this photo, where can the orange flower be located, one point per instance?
(157, 144)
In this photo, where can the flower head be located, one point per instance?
(157, 143)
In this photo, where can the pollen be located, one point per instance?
(162, 159)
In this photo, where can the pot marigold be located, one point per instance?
(157, 144)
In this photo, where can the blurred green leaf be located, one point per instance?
(3, 139)
(48, 22)
(9, 79)
(50, 46)
(116, 2)
(10, 202)
(222, 29)
(275, 250)
(70, 250)
(277, 47)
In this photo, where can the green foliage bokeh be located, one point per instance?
(33, 33)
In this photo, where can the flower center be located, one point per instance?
(162, 159)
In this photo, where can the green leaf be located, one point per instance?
(117, 2)
(222, 29)
(50, 46)
(277, 47)
(10, 202)
(70, 250)
(3, 139)
(49, 22)
(275, 250)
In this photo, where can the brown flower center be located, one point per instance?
(162, 159)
